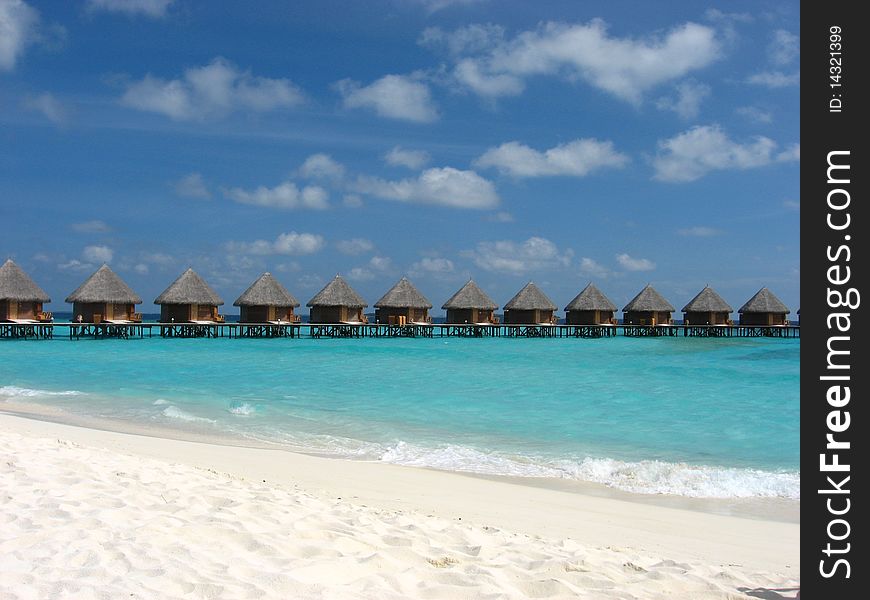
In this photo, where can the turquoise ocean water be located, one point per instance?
(692, 417)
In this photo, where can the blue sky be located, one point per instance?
(561, 142)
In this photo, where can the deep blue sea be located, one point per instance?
(692, 417)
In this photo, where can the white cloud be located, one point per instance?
(149, 8)
(790, 154)
(286, 196)
(141, 268)
(75, 265)
(352, 201)
(501, 217)
(784, 48)
(534, 254)
(775, 79)
(402, 157)
(792, 204)
(634, 264)
(98, 254)
(211, 91)
(753, 113)
(432, 266)
(377, 265)
(46, 104)
(355, 246)
(577, 158)
(18, 24)
(593, 268)
(687, 104)
(292, 244)
(694, 153)
(432, 6)
(158, 258)
(192, 186)
(699, 231)
(393, 96)
(444, 186)
(95, 226)
(321, 166)
(624, 67)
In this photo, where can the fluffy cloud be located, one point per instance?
(634, 264)
(491, 65)
(98, 254)
(286, 196)
(192, 186)
(577, 159)
(444, 186)
(377, 265)
(775, 79)
(687, 104)
(91, 227)
(784, 48)
(149, 8)
(49, 106)
(694, 153)
(699, 231)
(212, 91)
(593, 268)
(294, 244)
(755, 114)
(355, 246)
(534, 254)
(393, 96)
(352, 201)
(401, 157)
(321, 166)
(18, 23)
(432, 266)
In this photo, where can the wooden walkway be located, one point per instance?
(76, 331)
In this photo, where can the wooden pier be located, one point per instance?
(76, 331)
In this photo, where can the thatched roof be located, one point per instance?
(591, 298)
(530, 298)
(764, 301)
(649, 300)
(189, 288)
(266, 291)
(470, 296)
(403, 295)
(104, 286)
(337, 293)
(708, 300)
(17, 285)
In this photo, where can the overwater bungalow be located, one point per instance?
(266, 301)
(470, 305)
(764, 308)
(590, 307)
(530, 306)
(189, 299)
(337, 303)
(403, 304)
(20, 298)
(707, 308)
(647, 308)
(104, 297)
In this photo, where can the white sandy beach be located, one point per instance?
(86, 513)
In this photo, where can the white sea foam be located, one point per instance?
(173, 412)
(243, 409)
(643, 477)
(12, 391)
(160, 402)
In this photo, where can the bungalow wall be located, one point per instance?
(87, 310)
(411, 314)
(764, 319)
(588, 317)
(646, 317)
(335, 314)
(263, 314)
(12, 309)
(527, 317)
(183, 313)
(469, 315)
(705, 318)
